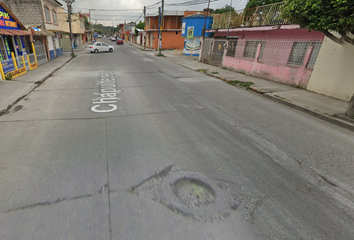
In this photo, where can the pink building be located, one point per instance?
(283, 53)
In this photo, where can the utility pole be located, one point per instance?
(159, 33)
(144, 37)
(69, 4)
(91, 25)
(206, 15)
(162, 7)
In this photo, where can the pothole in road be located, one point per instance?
(191, 194)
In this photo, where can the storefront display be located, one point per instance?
(15, 45)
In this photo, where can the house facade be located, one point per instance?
(263, 45)
(77, 27)
(171, 30)
(192, 31)
(50, 13)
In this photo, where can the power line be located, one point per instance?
(190, 3)
(111, 10)
(153, 5)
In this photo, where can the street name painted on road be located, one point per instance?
(108, 95)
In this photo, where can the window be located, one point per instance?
(103, 44)
(3, 55)
(47, 14)
(231, 49)
(27, 41)
(54, 14)
(299, 50)
(251, 49)
(98, 44)
(19, 43)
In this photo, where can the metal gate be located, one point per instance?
(206, 52)
(40, 52)
(218, 52)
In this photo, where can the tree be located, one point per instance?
(140, 25)
(87, 24)
(225, 9)
(325, 16)
(256, 3)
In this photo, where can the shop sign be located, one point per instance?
(7, 22)
(34, 65)
(18, 72)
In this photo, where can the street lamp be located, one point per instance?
(69, 4)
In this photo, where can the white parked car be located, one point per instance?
(113, 38)
(100, 47)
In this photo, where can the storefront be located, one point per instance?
(16, 48)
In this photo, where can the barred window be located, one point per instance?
(299, 50)
(314, 55)
(231, 49)
(251, 49)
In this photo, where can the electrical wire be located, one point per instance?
(189, 3)
(154, 4)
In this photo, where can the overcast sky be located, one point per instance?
(110, 18)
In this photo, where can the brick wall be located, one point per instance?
(29, 12)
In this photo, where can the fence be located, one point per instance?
(266, 15)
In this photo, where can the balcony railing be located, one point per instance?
(266, 15)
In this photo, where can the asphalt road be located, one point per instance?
(98, 151)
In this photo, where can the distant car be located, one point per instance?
(113, 39)
(99, 36)
(100, 47)
(119, 41)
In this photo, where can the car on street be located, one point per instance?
(119, 41)
(113, 39)
(100, 47)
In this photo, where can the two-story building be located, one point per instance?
(77, 28)
(171, 30)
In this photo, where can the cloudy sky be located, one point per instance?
(131, 10)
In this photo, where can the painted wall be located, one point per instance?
(276, 70)
(333, 73)
(296, 76)
(198, 24)
(191, 46)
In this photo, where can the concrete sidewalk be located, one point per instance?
(11, 91)
(326, 108)
(80, 47)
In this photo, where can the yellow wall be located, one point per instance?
(333, 74)
(77, 23)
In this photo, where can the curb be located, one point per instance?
(312, 113)
(332, 120)
(33, 87)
